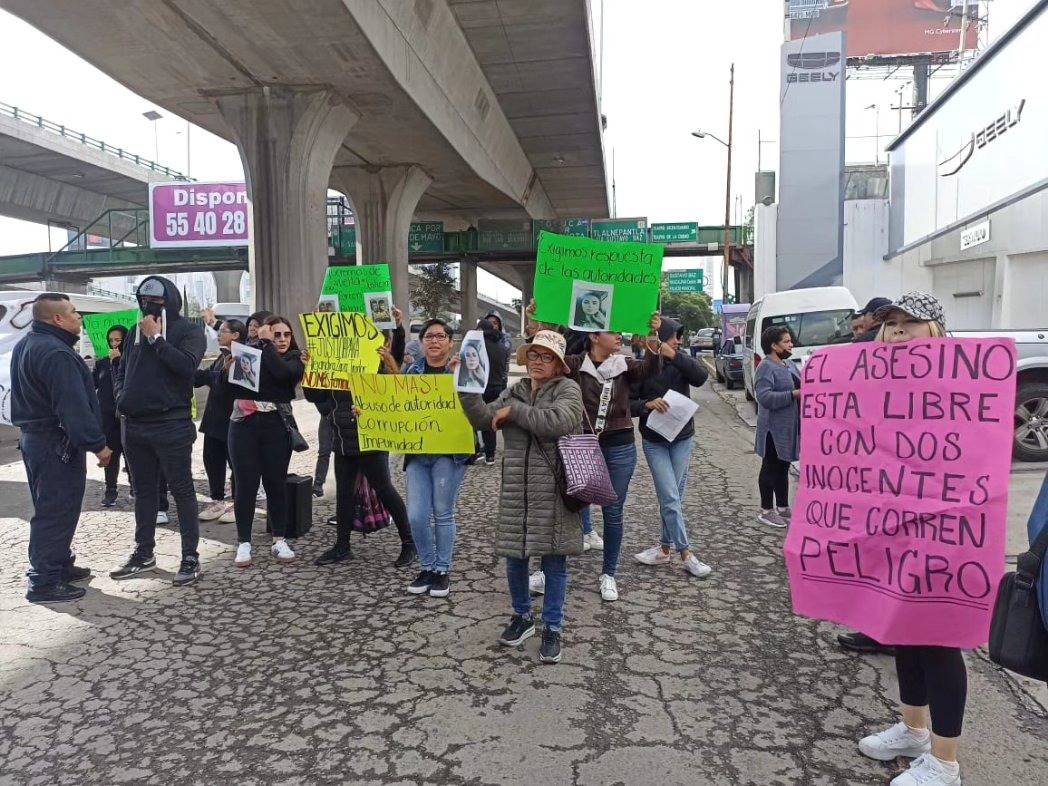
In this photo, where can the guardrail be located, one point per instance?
(57, 128)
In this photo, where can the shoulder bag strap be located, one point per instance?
(1029, 563)
(605, 405)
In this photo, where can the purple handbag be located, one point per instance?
(586, 476)
(369, 515)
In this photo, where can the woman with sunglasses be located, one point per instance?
(259, 440)
(214, 424)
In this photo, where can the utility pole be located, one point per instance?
(964, 29)
(614, 199)
(727, 188)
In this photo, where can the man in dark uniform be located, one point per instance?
(53, 402)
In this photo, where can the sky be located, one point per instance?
(663, 74)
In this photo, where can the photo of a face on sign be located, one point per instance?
(245, 367)
(379, 308)
(590, 306)
(328, 304)
(473, 369)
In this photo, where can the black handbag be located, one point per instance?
(1018, 637)
(298, 442)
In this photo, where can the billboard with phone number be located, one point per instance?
(885, 27)
(198, 215)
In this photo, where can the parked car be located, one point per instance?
(818, 317)
(704, 338)
(727, 363)
(1031, 396)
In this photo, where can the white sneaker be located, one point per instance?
(537, 583)
(653, 556)
(282, 551)
(696, 567)
(592, 540)
(229, 517)
(608, 589)
(214, 510)
(785, 513)
(772, 519)
(161, 517)
(243, 557)
(927, 770)
(895, 741)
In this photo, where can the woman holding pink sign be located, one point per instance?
(933, 681)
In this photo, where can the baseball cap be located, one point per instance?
(873, 305)
(919, 305)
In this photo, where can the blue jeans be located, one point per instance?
(621, 461)
(433, 488)
(56, 487)
(555, 568)
(668, 462)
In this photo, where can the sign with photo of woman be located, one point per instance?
(591, 306)
(247, 362)
(473, 369)
(379, 308)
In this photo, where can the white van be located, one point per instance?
(817, 317)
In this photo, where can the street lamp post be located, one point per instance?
(876, 130)
(727, 188)
(152, 117)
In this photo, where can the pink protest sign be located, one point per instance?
(899, 524)
(198, 215)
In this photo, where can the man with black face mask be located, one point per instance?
(154, 387)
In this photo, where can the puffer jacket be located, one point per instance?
(533, 520)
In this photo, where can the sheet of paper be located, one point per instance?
(669, 424)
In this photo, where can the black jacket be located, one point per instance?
(215, 421)
(155, 381)
(104, 375)
(498, 354)
(51, 388)
(278, 377)
(338, 404)
(680, 374)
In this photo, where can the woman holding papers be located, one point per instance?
(933, 681)
(663, 404)
(777, 389)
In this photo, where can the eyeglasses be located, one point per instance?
(435, 337)
(541, 357)
(282, 335)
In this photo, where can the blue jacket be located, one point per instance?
(778, 412)
(1038, 521)
(51, 388)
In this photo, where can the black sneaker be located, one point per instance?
(109, 499)
(73, 573)
(860, 642)
(139, 563)
(441, 586)
(422, 583)
(549, 652)
(318, 492)
(407, 555)
(332, 521)
(333, 555)
(519, 629)
(56, 593)
(188, 572)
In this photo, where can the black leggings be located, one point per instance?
(774, 477)
(260, 450)
(216, 455)
(375, 467)
(114, 431)
(934, 677)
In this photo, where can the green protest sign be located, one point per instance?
(350, 283)
(97, 326)
(594, 285)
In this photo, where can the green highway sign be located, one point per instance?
(426, 237)
(561, 226)
(686, 280)
(633, 230)
(504, 234)
(687, 232)
(343, 240)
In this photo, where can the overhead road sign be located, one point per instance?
(686, 280)
(426, 237)
(501, 234)
(687, 232)
(620, 230)
(575, 227)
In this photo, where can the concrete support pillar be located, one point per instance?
(468, 294)
(227, 285)
(384, 201)
(287, 137)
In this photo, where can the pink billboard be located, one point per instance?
(198, 215)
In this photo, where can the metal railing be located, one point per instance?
(57, 128)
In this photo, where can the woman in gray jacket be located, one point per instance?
(533, 519)
(777, 388)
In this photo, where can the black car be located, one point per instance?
(728, 363)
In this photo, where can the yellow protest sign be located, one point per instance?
(410, 413)
(340, 344)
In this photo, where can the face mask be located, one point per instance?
(153, 309)
(785, 355)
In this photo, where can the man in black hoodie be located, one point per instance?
(154, 386)
(497, 345)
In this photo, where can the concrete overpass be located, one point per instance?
(442, 108)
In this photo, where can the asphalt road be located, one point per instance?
(297, 674)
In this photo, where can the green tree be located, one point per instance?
(693, 309)
(434, 289)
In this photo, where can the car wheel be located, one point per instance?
(1031, 422)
